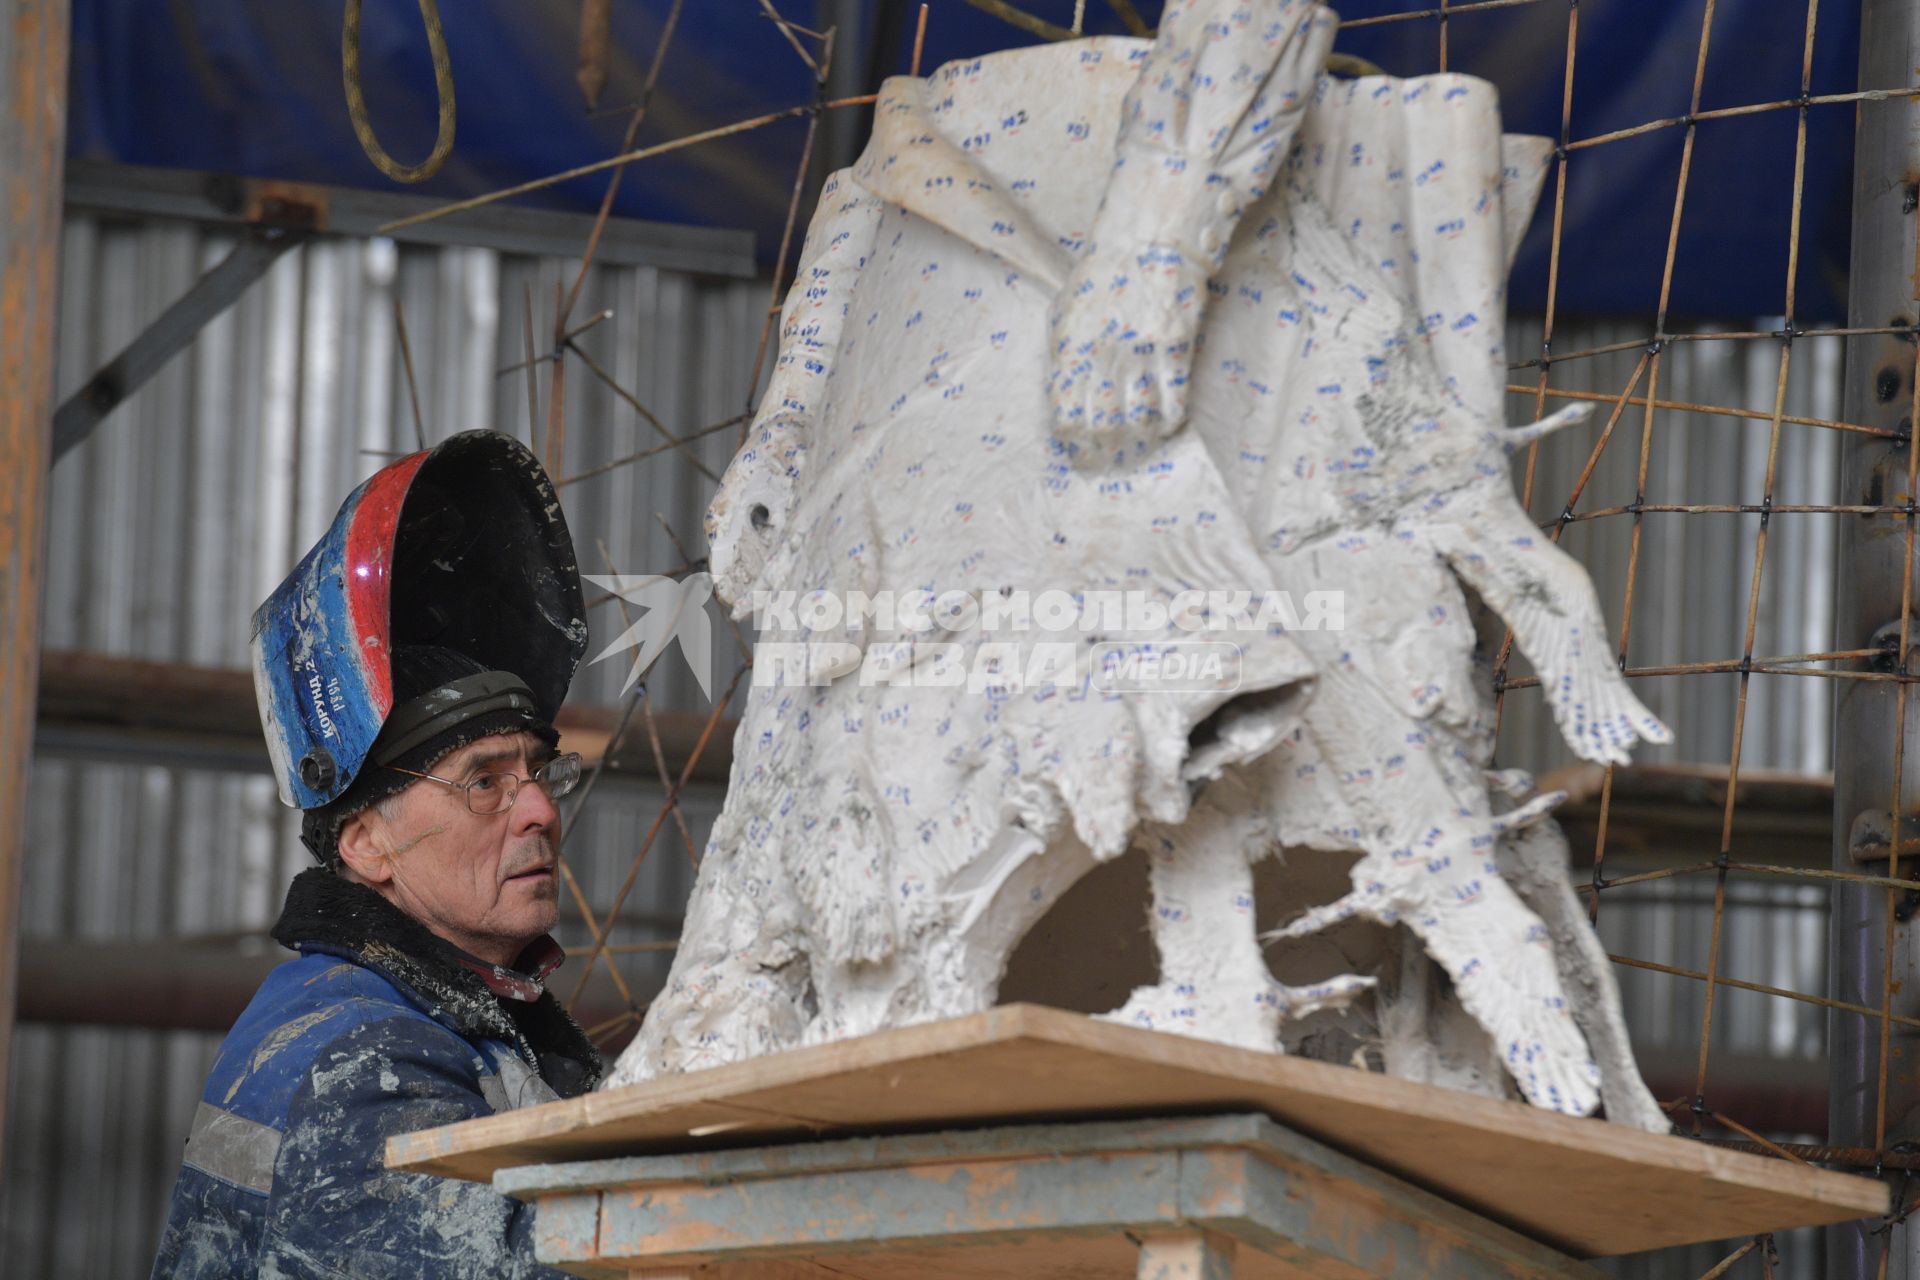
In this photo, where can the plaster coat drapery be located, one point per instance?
(884, 847)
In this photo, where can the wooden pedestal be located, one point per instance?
(916, 1152)
(1185, 1199)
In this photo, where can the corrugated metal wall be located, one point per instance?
(186, 508)
(1690, 595)
(195, 498)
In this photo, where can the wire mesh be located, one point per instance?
(1643, 399)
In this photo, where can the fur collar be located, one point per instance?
(325, 913)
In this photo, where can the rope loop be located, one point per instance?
(357, 102)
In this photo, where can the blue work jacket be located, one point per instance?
(377, 1028)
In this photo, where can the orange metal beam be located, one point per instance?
(33, 121)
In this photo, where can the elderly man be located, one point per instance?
(408, 674)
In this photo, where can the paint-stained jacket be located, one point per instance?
(378, 1028)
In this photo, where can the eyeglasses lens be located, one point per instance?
(560, 774)
(492, 792)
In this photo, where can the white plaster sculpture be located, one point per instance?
(1156, 317)
(1386, 477)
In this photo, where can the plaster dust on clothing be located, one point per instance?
(1154, 317)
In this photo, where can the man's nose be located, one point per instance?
(533, 810)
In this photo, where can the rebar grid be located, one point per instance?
(1647, 370)
(1642, 392)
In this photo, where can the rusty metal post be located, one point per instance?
(1884, 289)
(33, 125)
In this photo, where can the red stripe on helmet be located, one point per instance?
(370, 538)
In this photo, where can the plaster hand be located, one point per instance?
(1213, 112)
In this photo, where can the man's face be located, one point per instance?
(485, 882)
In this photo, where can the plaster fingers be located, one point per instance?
(1514, 784)
(1315, 919)
(1123, 332)
(1546, 597)
(1534, 861)
(1335, 993)
(1513, 439)
(1529, 813)
(1497, 953)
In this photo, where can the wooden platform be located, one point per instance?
(1581, 1186)
(1233, 1197)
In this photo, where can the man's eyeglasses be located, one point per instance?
(495, 792)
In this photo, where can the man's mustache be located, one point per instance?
(536, 853)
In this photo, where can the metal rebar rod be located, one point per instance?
(1722, 980)
(626, 158)
(1450, 10)
(647, 415)
(646, 843)
(1020, 18)
(673, 443)
(1660, 338)
(1746, 109)
(1733, 508)
(1688, 406)
(613, 184)
(1784, 666)
(1726, 1264)
(1759, 869)
(1765, 1144)
(1814, 1153)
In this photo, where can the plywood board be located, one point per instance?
(1584, 1186)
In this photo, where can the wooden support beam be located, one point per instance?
(183, 984)
(217, 199)
(1668, 814)
(33, 122)
(94, 706)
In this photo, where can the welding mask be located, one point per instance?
(461, 547)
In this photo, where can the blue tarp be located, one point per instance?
(253, 87)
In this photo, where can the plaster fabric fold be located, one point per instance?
(902, 446)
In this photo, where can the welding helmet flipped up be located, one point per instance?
(462, 547)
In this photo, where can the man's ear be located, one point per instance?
(364, 846)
